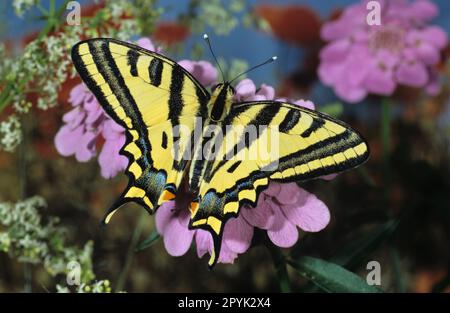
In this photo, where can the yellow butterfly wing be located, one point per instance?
(292, 143)
(147, 94)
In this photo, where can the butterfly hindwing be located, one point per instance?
(273, 141)
(148, 95)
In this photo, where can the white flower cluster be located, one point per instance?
(26, 238)
(45, 63)
(219, 15)
(21, 6)
(101, 286)
(10, 133)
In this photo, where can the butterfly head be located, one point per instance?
(223, 93)
(225, 88)
(221, 100)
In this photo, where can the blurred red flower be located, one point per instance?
(169, 33)
(292, 23)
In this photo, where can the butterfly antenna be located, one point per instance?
(205, 36)
(255, 67)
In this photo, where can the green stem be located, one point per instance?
(386, 129)
(279, 262)
(397, 267)
(22, 169)
(385, 147)
(131, 251)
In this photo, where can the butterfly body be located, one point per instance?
(177, 131)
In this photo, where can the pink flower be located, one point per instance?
(360, 59)
(172, 223)
(281, 209)
(246, 91)
(84, 124)
(204, 71)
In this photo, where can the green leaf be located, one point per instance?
(334, 109)
(331, 277)
(356, 250)
(150, 240)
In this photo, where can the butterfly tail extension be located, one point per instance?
(215, 227)
(130, 194)
(207, 214)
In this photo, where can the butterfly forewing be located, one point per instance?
(148, 94)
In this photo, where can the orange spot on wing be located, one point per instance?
(193, 207)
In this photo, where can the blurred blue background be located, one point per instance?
(243, 43)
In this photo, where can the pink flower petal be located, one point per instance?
(111, 162)
(309, 213)
(112, 130)
(261, 216)
(146, 43)
(266, 92)
(188, 65)
(163, 216)
(412, 74)
(245, 89)
(74, 117)
(227, 255)
(203, 71)
(435, 36)
(329, 72)
(94, 115)
(77, 94)
(336, 51)
(238, 234)
(273, 189)
(282, 233)
(423, 10)
(380, 81)
(67, 139)
(305, 103)
(329, 176)
(173, 226)
(204, 244)
(178, 239)
(428, 53)
(208, 73)
(349, 93)
(289, 193)
(86, 146)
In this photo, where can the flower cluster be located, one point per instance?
(83, 125)
(280, 210)
(25, 237)
(101, 286)
(10, 133)
(218, 15)
(362, 59)
(36, 76)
